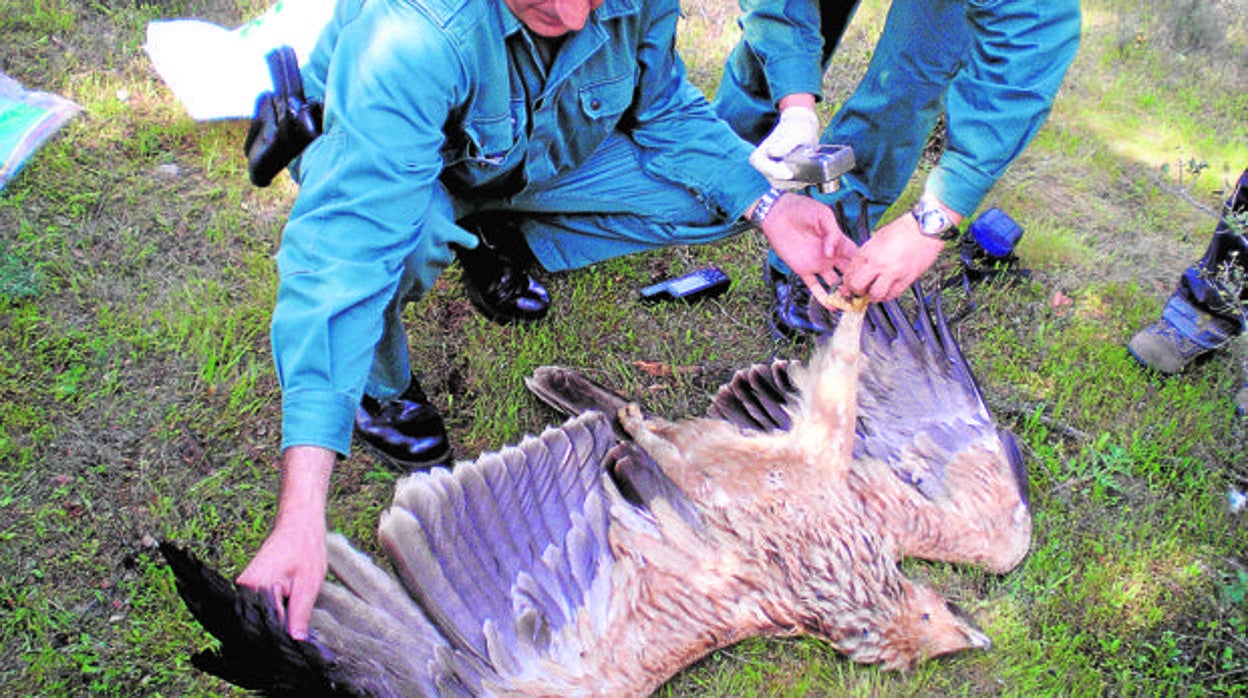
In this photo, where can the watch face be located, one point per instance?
(933, 222)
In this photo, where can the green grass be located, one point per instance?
(139, 401)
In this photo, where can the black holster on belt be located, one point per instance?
(284, 123)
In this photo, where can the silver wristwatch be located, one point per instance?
(933, 221)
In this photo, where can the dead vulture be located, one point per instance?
(601, 557)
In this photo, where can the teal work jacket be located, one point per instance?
(1008, 59)
(428, 102)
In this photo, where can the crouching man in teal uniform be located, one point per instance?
(506, 132)
(992, 66)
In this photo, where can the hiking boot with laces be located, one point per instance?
(1182, 335)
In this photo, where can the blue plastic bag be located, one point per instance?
(27, 119)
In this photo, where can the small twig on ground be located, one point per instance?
(1023, 411)
(1233, 222)
(1071, 484)
(1184, 194)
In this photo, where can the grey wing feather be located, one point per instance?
(642, 482)
(571, 393)
(386, 656)
(638, 477)
(370, 619)
(758, 398)
(499, 590)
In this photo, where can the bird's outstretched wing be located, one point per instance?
(504, 580)
(507, 552)
(919, 404)
(920, 412)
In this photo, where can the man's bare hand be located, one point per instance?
(805, 235)
(292, 561)
(895, 256)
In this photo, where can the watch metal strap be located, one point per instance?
(765, 202)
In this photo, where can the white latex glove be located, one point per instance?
(798, 125)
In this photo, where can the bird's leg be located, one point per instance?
(655, 437)
(824, 431)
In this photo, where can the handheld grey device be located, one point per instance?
(820, 165)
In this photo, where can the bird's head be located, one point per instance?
(930, 627)
(925, 626)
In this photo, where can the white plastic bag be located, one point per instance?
(217, 73)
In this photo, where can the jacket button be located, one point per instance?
(595, 104)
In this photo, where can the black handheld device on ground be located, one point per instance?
(284, 123)
(707, 282)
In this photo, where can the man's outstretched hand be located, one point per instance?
(895, 257)
(292, 561)
(805, 235)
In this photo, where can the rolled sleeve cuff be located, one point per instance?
(958, 185)
(733, 184)
(793, 75)
(318, 418)
(740, 188)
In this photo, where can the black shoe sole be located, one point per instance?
(398, 465)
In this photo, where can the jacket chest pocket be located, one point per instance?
(486, 150)
(606, 100)
(591, 113)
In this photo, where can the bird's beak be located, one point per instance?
(975, 638)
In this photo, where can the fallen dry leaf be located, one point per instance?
(659, 369)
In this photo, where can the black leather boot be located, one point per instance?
(496, 272)
(790, 302)
(407, 432)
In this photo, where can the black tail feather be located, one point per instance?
(256, 651)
